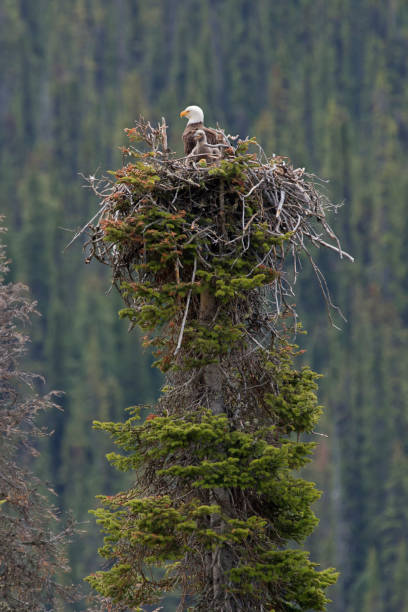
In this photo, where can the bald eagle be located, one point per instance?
(196, 122)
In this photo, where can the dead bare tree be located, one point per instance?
(32, 555)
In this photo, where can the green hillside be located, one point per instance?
(321, 82)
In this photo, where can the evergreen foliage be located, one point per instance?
(323, 82)
(197, 254)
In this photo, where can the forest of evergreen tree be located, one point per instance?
(323, 83)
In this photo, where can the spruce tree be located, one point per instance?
(199, 256)
(372, 600)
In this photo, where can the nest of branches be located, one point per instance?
(245, 206)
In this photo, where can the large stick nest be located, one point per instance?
(226, 205)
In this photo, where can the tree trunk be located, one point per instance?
(221, 560)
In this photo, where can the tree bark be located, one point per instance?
(220, 562)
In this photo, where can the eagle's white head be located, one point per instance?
(195, 114)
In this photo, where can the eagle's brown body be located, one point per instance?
(213, 137)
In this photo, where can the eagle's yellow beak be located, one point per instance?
(184, 113)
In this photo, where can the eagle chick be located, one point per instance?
(202, 150)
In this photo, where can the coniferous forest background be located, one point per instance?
(322, 82)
